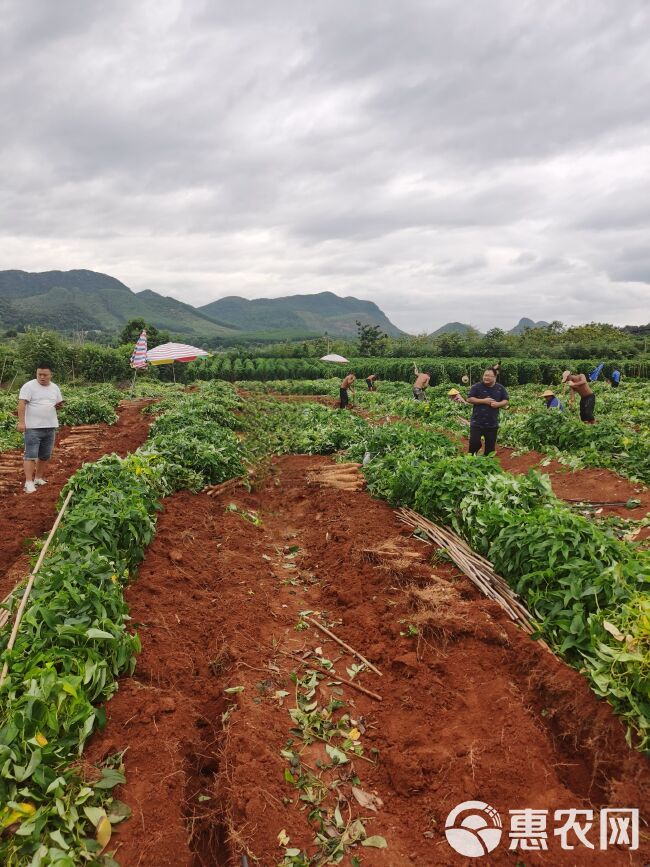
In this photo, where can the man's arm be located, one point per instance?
(21, 414)
(479, 400)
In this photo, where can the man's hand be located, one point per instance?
(21, 426)
(59, 404)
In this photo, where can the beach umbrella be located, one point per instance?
(338, 359)
(168, 353)
(139, 354)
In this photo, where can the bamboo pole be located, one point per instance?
(343, 644)
(333, 675)
(476, 568)
(30, 583)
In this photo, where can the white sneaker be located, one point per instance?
(39, 482)
(30, 488)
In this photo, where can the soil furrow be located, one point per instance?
(471, 707)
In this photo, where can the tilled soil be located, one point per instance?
(26, 517)
(471, 708)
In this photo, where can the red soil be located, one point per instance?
(25, 517)
(471, 709)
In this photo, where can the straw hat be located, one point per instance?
(565, 375)
(547, 393)
(453, 392)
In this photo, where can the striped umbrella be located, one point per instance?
(139, 354)
(167, 353)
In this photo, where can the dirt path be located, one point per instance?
(472, 709)
(24, 518)
(590, 484)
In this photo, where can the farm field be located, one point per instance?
(239, 725)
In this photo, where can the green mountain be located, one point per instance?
(452, 328)
(525, 323)
(309, 314)
(87, 300)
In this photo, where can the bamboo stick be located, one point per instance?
(475, 567)
(30, 583)
(333, 675)
(343, 644)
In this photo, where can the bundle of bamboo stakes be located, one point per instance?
(476, 568)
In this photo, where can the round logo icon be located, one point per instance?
(473, 829)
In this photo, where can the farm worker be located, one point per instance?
(421, 384)
(348, 382)
(488, 397)
(455, 396)
(38, 401)
(552, 402)
(616, 378)
(370, 382)
(577, 382)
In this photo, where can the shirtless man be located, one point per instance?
(420, 385)
(348, 382)
(578, 383)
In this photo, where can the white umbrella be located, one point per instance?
(334, 357)
(168, 353)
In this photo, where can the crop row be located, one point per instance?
(586, 590)
(74, 640)
(515, 371)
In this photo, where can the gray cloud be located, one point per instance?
(437, 158)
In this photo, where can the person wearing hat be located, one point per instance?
(552, 402)
(578, 384)
(455, 396)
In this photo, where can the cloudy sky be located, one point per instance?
(476, 161)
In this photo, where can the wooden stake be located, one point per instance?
(333, 675)
(28, 589)
(343, 644)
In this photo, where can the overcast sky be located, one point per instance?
(476, 161)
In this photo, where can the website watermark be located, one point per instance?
(474, 829)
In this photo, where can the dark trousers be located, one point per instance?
(489, 434)
(343, 394)
(587, 407)
(614, 384)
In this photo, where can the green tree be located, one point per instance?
(38, 348)
(372, 340)
(133, 328)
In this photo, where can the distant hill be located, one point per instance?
(88, 300)
(525, 323)
(323, 311)
(452, 328)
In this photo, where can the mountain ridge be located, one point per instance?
(84, 300)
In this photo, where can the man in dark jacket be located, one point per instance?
(487, 397)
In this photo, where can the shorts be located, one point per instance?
(39, 442)
(587, 406)
(418, 393)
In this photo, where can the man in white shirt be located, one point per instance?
(38, 402)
